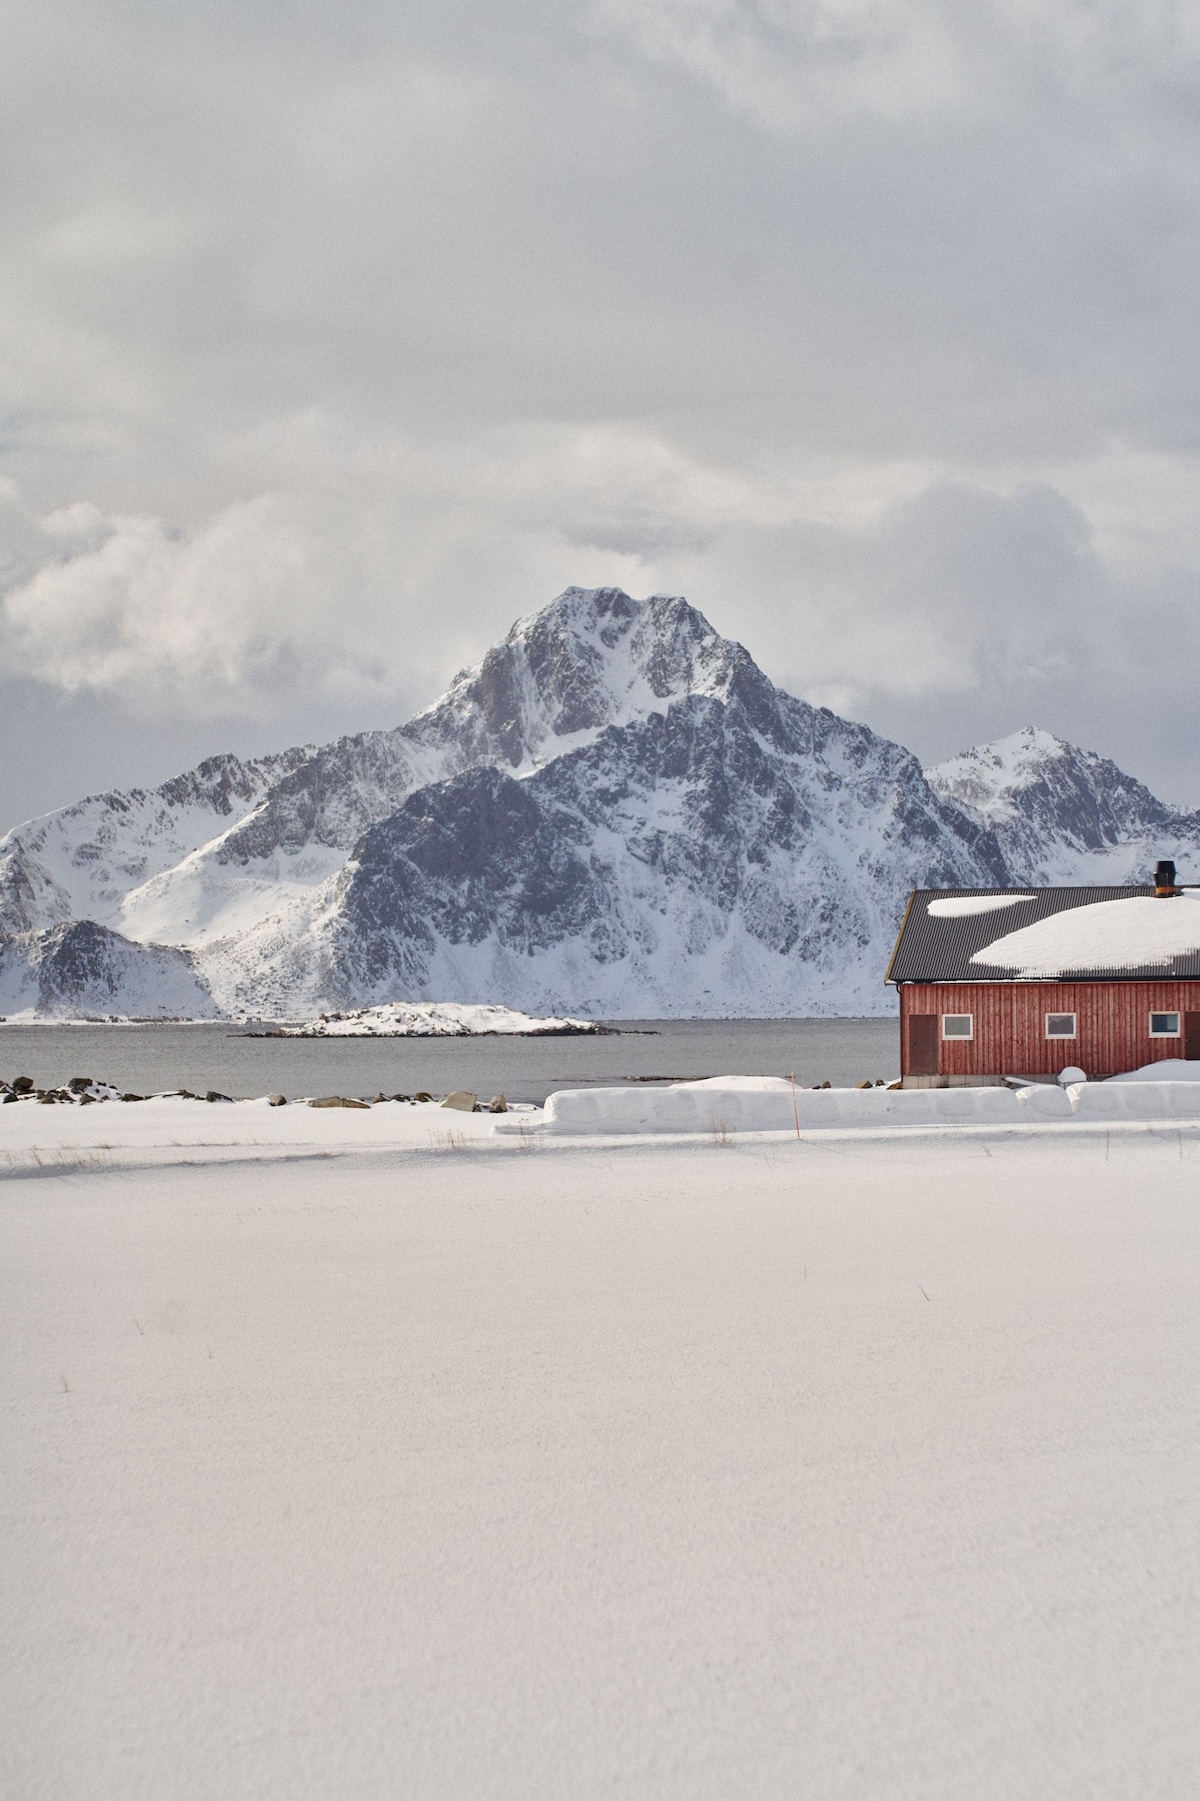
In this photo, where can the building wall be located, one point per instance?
(1113, 1025)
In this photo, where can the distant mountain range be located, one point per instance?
(615, 814)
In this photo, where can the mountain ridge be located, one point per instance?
(614, 811)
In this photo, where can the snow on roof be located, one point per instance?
(959, 906)
(1091, 933)
(1139, 933)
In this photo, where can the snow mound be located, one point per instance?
(1168, 1069)
(1141, 1101)
(434, 1019)
(962, 906)
(750, 1084)
(1120, 934)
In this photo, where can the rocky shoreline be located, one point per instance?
(86, 1091)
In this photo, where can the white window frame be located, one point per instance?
(958, 1037)
(1062, 1037)
(1166, 1013)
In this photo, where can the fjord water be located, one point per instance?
(149, 1058)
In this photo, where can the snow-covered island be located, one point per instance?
(438, 1019)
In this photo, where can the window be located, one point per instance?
(1164, 1025)
(1060, 1025)
(958, 1025)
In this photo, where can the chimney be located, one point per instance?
(1164, 880)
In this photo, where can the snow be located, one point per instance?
(259, 891)
(755, 1108)
(1167, 1069)
(1140, 1101)
(963, 906)
(430, 1019)
(859, 1468)
(725, 849)
(1137, 933)
(987, 776)
(723, 1106)
(1064, 816)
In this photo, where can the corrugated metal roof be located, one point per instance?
(930, 949)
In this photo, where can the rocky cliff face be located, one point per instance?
(1061, 814)
(616, 812)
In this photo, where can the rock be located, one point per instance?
(23, 1085)
(133, 1097)
(422, 1096)
(7, 1097)
(276, 1100)
(497, 1104)
(460, 1101)
(77, 1084)
(212, 1095)
(47, 1100)
(402, 1097)
(340, 1100)
(864, 1084)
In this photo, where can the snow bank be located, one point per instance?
(1118, 934)
(1135, 1101)
(717, 1104)
(1167, 1069)
(168, 1129)
(767, 1104)
(434, 1019)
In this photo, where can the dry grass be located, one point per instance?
(50, 1162)
(448, 1141)
(719, 1131)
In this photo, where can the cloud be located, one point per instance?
(942, 612)
(802, 66)
(332, 339)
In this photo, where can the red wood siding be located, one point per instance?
(1112, 1021)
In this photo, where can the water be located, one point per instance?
(149, 1058)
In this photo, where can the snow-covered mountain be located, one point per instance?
(1064, 815)
(83, 861)
(82, 970)
(614, 813)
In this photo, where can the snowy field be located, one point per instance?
(370, 1455)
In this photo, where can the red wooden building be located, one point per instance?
(996, 982)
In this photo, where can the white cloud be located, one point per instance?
(365, 583)
(331, 342)
(807, 65)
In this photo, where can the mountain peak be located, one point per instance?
(591, 658)
(1061, 813)
(987, 775)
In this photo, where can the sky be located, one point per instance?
(334, 338)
